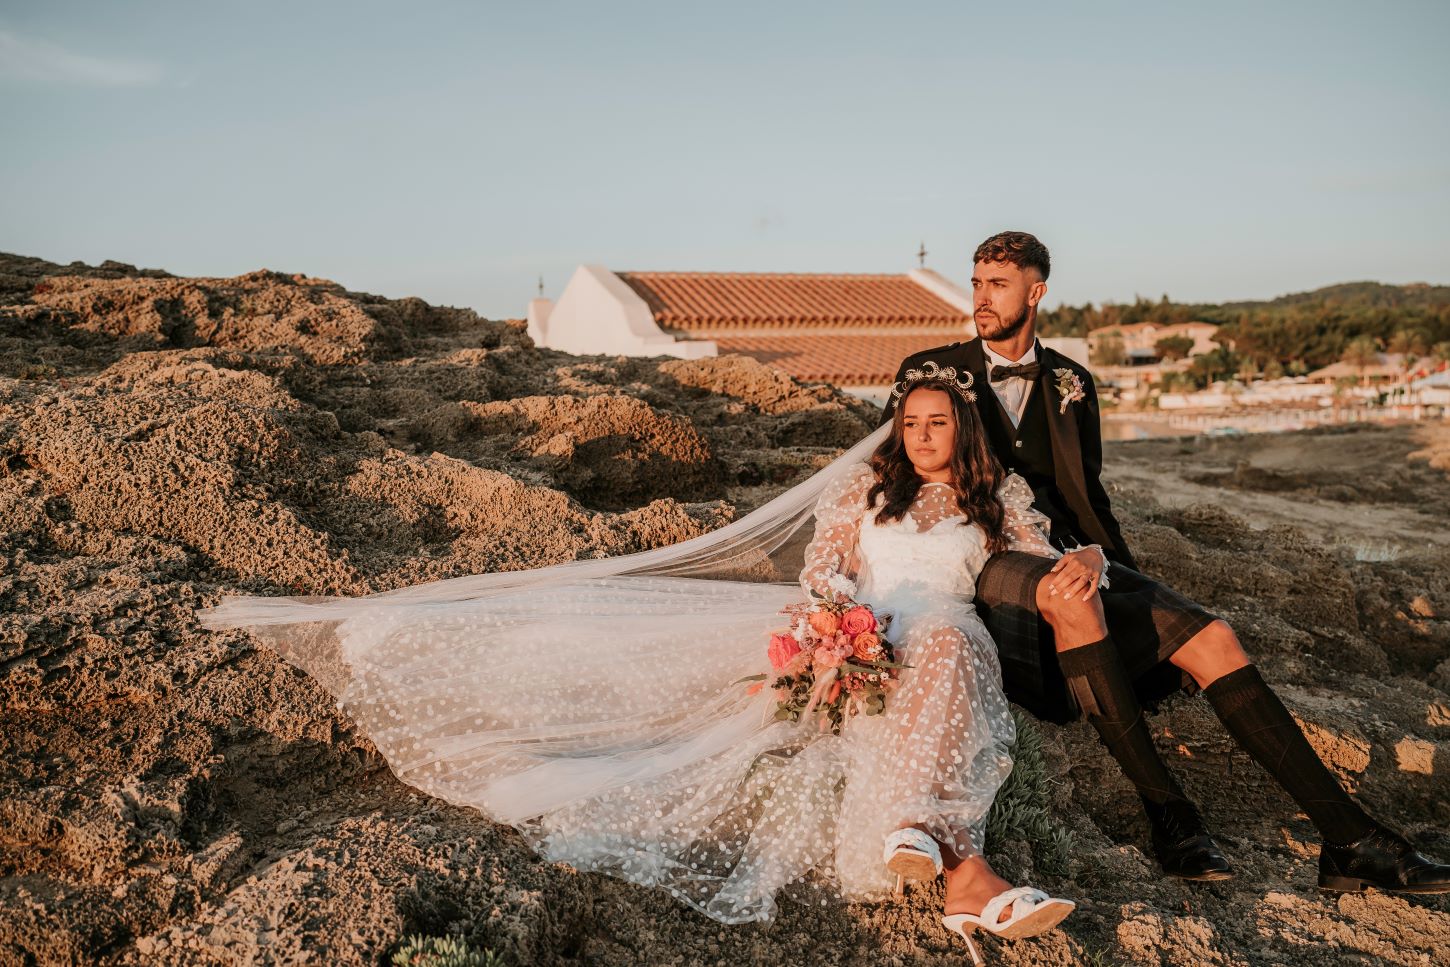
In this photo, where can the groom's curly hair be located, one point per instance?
(976, 472)
(1016, 248)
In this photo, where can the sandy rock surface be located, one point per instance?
(173, 796)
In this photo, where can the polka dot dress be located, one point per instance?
(605, 719)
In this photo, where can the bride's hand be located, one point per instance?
(1077, 574)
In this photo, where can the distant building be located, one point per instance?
(849, 330)
(1140, 339)
(1433, 389)
(1286, 392)
(1386, 367)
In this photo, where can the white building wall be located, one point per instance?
(599, 314)
(1073, 347)
(948, 291)
(538, 317)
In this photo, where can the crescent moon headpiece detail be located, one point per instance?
(931, 371)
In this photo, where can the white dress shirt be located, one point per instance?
(1012, 392)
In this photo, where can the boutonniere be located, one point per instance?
(1069, 387)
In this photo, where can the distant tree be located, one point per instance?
(1213, 366)
(1173, 347)
(1273, 369)
(1172, 381)
(1410, 345)
(1108, 351)
(1362, 353)
(1440, 352)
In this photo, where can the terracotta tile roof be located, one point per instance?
(704, 303)
(845, 360)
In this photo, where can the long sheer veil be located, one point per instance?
(598, 707)
(763, 546)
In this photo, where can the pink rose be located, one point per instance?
(826, 656)
(824, 623)
(858, 621)
(783, 648)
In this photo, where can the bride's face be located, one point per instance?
(929, 433)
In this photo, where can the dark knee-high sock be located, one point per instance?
(1261, 724)
(1100, 683)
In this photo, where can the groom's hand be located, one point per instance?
(1077, 574)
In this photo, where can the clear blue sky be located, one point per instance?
(456, 151)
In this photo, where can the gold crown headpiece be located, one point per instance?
(946, 375)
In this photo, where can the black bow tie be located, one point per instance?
(1030, 371)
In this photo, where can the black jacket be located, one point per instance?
(1076, 431)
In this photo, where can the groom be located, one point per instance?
(1090, 633)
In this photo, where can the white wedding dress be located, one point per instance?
(604, 717)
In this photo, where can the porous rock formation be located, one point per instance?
(173, 796)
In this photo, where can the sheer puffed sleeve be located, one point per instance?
(1025, 526)
(838, 522)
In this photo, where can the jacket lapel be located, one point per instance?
(1066, 447)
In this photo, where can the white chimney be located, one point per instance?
(539, 310)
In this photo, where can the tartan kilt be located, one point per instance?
(1147, 620)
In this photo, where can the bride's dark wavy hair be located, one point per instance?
(976, 473)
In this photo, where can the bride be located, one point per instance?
(597, 707)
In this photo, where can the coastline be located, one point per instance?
(1153, 424)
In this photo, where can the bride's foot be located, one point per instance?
(970, 885)
(978, 898)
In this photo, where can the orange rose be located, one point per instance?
(858, 620)
(866, 646)
(824, 623)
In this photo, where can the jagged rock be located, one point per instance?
(171, 796)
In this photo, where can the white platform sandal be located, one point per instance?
(1033, 913)
(912, 855)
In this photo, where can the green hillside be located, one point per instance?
(1292, 332)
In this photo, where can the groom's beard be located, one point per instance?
(998, 329)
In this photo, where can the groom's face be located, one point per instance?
(1004, 298)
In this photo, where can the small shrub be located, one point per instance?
(1022, 809)
(419, 951)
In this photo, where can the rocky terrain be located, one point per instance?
(174, 796)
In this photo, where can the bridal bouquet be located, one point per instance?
(832, 661)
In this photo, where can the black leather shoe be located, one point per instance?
(1182, 843)
(1382, 859)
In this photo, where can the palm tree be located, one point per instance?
(1362, 353)
(1440, 352)
(1410, 345)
